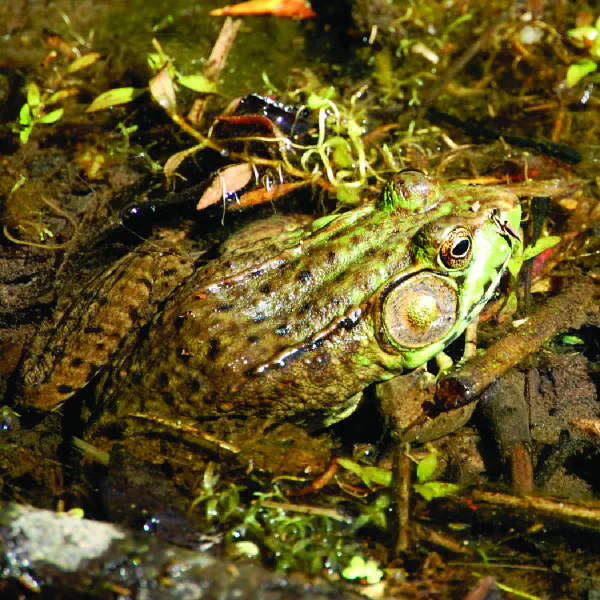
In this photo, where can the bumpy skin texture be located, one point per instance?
(292, 325)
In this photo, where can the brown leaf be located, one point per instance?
(162, 89)
(262, 195)
(227, 181)
(295, 9)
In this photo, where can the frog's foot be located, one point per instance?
(470, 342)
(445, 363)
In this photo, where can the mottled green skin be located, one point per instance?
(285, 326)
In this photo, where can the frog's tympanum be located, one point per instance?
(286, 325)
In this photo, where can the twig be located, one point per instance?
(215, 65)
(565, 311)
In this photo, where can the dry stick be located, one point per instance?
(220, 52)
(215, 64)
(566, 311)
(402, 467)
(583, 514)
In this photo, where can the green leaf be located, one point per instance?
(377, 476)
(198, 83)
(24, 135)
(83, 62)
(350, 465)
(571, 340)
(595, 50)
(540, 246)
(25, 115)
(582, 34)
(348, 195)
(114, 97)
(436, 489)
(343, 156)
(426, 467)
(52, 117)
(578, 70)
(57, 97)
(315, 101)
(155, 61)
(33, 95)
(370, 475)
(359, 568)
(244, 549)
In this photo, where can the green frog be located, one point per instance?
(288, 323)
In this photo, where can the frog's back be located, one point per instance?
(274, 327)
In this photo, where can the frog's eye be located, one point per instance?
(456, 249)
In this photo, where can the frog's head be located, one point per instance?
(459, 256)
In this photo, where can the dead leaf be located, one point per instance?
(227, 181)
(162, 89)
(263, 195)
(294, 9)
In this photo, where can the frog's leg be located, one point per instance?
(470, 341)
(445, 363)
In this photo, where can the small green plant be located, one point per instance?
(268, 528)
(359, 568)
(587, 37)
(161, 88)
(428, 487)
(34, 112)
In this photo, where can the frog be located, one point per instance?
(290, 323)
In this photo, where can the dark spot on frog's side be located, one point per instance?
(77, 362)
(283, 329)
(331, 256)
(145, 282)
(179, 321)
(93, 330)
(303, 310)
(253, 339)
(223, 307)
(195, 386)
(304, 276)
(169, 272)
(65, 389)
(214, 349)
(265, 289)
(259, 318)
(163, 380)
